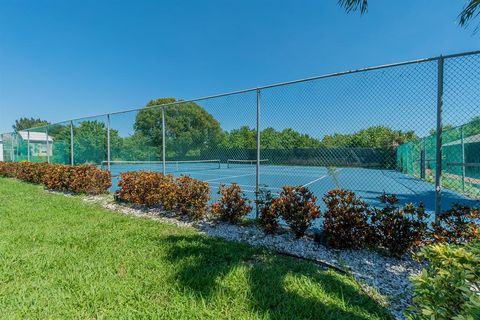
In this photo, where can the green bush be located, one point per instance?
(449, 286)
(346, 221)
(297, 206)
(233, 205)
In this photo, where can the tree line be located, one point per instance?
(192, 132)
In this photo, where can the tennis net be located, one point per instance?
(239, 163)
(157, 166)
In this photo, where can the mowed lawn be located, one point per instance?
(62, 258)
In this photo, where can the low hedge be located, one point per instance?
(184, 195)
(76, 179)
(32, 172)
(147, 188)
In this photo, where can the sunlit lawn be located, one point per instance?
(63, 258)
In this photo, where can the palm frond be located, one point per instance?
(471, 10)
(354, 5)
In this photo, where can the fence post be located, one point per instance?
(108, 142)
(163, 143)
(257, 171)
(463, 157)
(422, 160)
(28, 145)
(438, 169)
(47, 143)
(72, 161)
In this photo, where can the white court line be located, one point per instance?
(288, 173)
(231, 177)
(247, 186)
(322, 177)
(200, 173)
(253, 191)
(307, 184)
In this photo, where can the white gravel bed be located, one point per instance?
(387, 276)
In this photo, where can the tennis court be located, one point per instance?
(367, 183)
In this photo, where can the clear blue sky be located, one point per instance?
(68, 59)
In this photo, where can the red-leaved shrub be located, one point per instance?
(89, 179)
(267, 217)
(346, 221)
(192, 197)
(396, 229)
(458, 225)
(32, 172)
(147, 188)
(77, 179)
(297, 206)
(58, 177)
(233, 205)
(9, 169)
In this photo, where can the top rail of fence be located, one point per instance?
(279, 84)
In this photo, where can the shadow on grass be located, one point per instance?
(280, 287)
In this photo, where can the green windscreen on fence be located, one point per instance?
(460, 158)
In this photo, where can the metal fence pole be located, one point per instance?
(163, 142)
(46, 138)
(463, 157)
(28, 145)
(108, 142)
(257, 171)
(12, 153)
(438, 169)
(13, 148)
(72, 161)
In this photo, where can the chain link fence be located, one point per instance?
(411, 129)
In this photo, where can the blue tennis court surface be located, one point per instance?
(367, 183)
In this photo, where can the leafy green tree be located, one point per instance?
(89, 142)
(27, 123)
(469, 12)
(445, 128)
(246, 138)
(337, 140)
(291, 139)
(137, 148)
(372, 137)
(241, 138)
(190, 129)
(472, 128)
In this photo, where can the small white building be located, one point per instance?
(1, 148)
(38, 143)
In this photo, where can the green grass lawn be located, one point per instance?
(63, 258)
